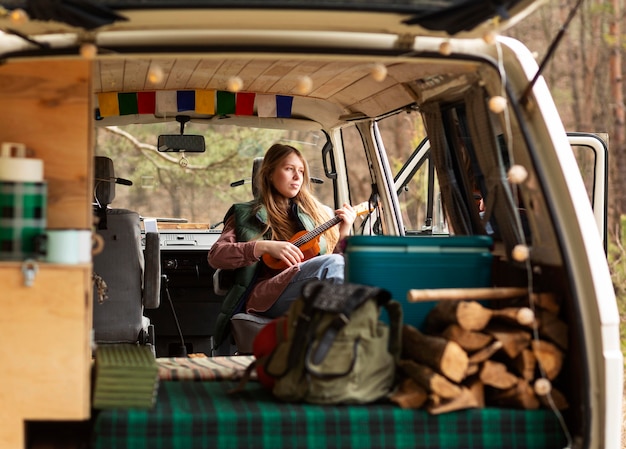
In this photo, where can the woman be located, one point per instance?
(285, 206)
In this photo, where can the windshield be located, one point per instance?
(197, 187)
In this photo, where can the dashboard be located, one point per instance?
(188, 279)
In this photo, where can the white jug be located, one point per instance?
(16, 167)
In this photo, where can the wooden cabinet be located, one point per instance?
(45, 328)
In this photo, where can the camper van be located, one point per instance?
(129, 128)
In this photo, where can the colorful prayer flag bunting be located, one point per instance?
(186, 100)
(205, 102)
(225, 102)
(146, 102)
(202, 101)
(244, 103)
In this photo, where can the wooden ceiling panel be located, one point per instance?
(180, 73)
(205, 70)
(252, 70)
(135, 74)
(111, 74)
(227, 70)
(354, 92)
(162, 67)
(347, 85)
(289, 84)
(343, 75)
(273, 74)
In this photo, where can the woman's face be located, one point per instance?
(287, 178)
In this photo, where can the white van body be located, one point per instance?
(349, 73)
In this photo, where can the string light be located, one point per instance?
(445, 48)
(542, 386)
(379, 72)
(520, 253)
(304, 85)
(88, 50)
(497, 104)
(234, 84)
(155, 74)
(18, 17)
(517, 174)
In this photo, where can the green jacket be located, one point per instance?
(248, 226)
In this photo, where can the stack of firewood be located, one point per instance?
(470, 355)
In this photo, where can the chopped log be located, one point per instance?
(442, 355)
(521, 395)
(485, 353)
(550, 357)
(554, 398)
(546, 301)
(409, 394)
(552, 328)
(478, 390)
(468, 340)
(523, 316)
(525, 364)
(463, 401)
(472, 369)
(470, 315)
(496, 375)
(428, 379)
(465, 294)
(514, 341)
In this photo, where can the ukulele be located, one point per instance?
(308, 241)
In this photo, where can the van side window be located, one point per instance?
(404, 137)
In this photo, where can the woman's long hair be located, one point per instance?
(278, 218)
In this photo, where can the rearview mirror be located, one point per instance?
(175, 143)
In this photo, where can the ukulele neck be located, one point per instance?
(317, 231)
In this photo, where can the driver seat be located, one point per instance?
(132, 277)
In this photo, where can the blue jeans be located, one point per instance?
(329, 267)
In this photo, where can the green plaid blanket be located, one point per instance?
(191, 415)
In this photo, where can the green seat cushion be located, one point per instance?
(191, 415)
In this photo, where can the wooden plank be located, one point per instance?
(47, 105)
(45, 332)
(135, 74)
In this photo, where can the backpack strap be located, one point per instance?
(394, 310)
(343, 300)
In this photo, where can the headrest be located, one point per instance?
(104, 180)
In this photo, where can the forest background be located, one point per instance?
(585, 78)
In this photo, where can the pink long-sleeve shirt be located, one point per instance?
(227, 253)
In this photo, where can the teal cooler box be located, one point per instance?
(399, 264)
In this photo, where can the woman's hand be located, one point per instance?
(285, 251)
(348, 215)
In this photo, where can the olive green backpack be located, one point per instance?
(332, 348)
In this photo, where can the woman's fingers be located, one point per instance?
(288, 253)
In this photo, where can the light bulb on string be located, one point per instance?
(304, 85)
(155, 74)
(88, 50)
(517, 174)
(18, 16)
(379, 72)
(234, 84)
(520, 253)
(445, 48)
(497, 104)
